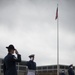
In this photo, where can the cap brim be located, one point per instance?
(31, 56)
(10, 48)
(7, 47)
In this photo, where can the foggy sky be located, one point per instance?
(31, 27)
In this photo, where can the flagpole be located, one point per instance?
(57, 43)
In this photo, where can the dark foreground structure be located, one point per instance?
(41, 70)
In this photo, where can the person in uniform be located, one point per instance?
(31, 65)
(70, 70)
(9, 62)
(62, 72)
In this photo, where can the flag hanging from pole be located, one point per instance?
(56, 13)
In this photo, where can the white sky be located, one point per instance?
(31, 27)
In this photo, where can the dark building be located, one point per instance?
(51, 69)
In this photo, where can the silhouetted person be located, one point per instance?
(9, 62)
(70, 70)
(31, 65)
(62, 72)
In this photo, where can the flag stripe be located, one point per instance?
(56, 13)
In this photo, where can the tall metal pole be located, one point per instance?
(57, 44)
(0, 67)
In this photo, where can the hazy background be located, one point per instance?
(31, 27)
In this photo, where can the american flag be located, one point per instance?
(56, 13)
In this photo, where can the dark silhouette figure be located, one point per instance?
(9, 62)
(62, 72)
(31, 65)
(70, 70)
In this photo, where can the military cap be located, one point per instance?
(71, 65)
(11, 47)
(32, 55)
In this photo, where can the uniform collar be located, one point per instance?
(9, 54)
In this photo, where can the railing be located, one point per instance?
(21, 69)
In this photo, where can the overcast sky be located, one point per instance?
(31, 27)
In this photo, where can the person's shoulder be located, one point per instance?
(69, 69)
(14, 57)
(5, 57)
(35, 63)
(28, 62)
(10, 56)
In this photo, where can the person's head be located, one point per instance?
(11, 49)
(71, 66)
(31, 57)
(63, 71)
